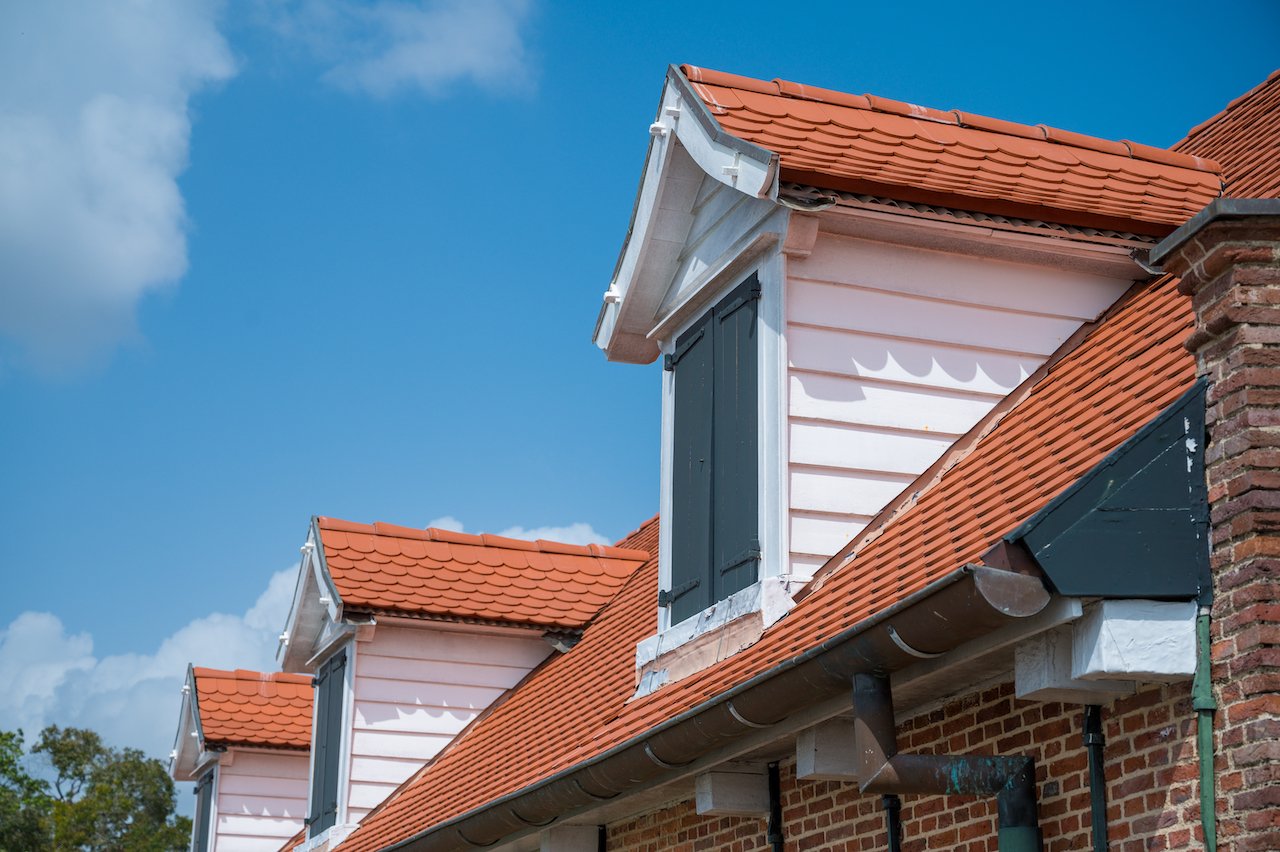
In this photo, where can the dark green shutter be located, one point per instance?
(715, 548)
(690, 591)
(204, 812)
(736, 549)
(327, 743)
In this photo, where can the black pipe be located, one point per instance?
(1012, 780)
(1093, 743)
(774, 833)
(602, 838)
(893, 820)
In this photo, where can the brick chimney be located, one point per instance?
(1228, 257)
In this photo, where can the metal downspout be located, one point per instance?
(774, 834)
(1093, 743)
(1012, 780)
(893, 820)
(1203, 703)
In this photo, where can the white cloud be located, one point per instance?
(579, 533)
(392, 46)
(448, 522)
(131, 699)
(94, 125)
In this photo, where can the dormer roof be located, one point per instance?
(244, 708)
(460, 577)
(239, 709)
(873, 145)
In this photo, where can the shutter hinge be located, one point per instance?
(751, 554)
(668, 363)
(667, 598)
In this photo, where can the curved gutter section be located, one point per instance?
(962, 606)
(881, 769)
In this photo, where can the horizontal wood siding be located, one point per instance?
(415, 690)
(893, 353)
(262, 800)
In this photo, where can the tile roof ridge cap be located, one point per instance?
(710, 77)
(400, 531)
(1165, 156)
(876, 103)
(1231, 104)
(250, 674)
(291, 677)
(205, 671)
(325, 522)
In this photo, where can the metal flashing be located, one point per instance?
(693, 102)
(1218, 210)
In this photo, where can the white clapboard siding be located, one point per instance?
(262, 799)
(892, 354)
(415, 690)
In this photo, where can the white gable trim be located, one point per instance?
(686, 144)
(316, 604)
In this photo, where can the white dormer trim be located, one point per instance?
(316, 605)
(686, 143)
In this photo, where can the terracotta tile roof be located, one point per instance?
(244, 708)
(1131, 367)
(1246, 138)
(295, 841)
(451, 575)
(863, 143)
(577, 706)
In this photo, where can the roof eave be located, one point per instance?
(982, 204)
(977, 597)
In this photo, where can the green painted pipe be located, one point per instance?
(1203, 703)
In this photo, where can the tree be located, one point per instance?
(24, 801)
(102, 799)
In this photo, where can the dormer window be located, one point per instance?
(715, 546)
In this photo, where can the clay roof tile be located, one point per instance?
(854, 142)
(452, 575)
(256, 709)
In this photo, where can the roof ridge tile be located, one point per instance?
(397, 531)
(327, 523)
(875, 103)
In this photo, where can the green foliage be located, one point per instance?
(24, 802)
(102, 799)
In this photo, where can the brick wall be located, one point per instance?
(1231, 267)
(1151, 778)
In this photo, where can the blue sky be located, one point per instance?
(265, 260)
